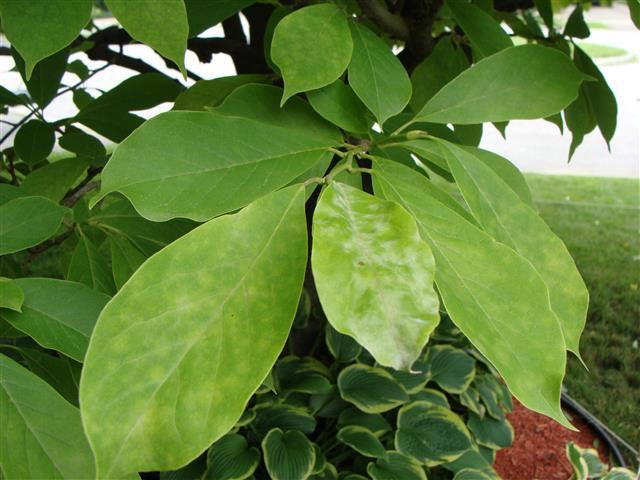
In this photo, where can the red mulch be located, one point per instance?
(539, 448)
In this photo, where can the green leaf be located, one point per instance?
(374, 422)
(522, 82)
(42, 433)
(545, 9)
(343, 348)
(577, 461)
(501, 213)
(576, 25)
(473, 459)
(470, 398)
(286, 417)
(90, 267)
(40, 28)
(472, 474)
(394, 467)
(580, 120)
(28, 221)
(619, 473)
(485, 33)
(339, 104)
(8, 98)
(210, 93)
(430, 433)
(34, 141)
(489, 390)
(634, 12)
(496, 315)
(311, 47)
(444, 64)
(491, 432)
(11, 295)
(432, 396)
(82, 144)
(54, 180)
(305, 375)
(376, 74)
(231, 458)
(64, 324)
(168, 329)
(374, 274)
(288, 455)
(215, 163)
(46, 76)
(362, 440)
(125, 259)
(161, 25)
(10, 192)
(414, 379)
(203, 14)
(451, 368)
(372, 390)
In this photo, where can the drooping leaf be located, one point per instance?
(203, 14)
(45, 79)
(372, 390)
(580, 120)
(89, 266)
(11, 295)
(430, 433)
(34, 141)
(396, 466)
(42, 433)
(451, 368)
(28, 221)
(501, 213)
(528, 81)
(545, 9)
(215, 163)
(187, 328)
(210, 93)
(376, 74)
(312, 48)
(342, 347)
(339, 104)
(61, 373)
(362, 440)
(372, 249)
(231, 458)
(161, 25)
(576, 25)
(54, 180)
(491, 293)
(491, 432)
(485, 33)
(125, 259)
(41, 28)
(64, 324)
(288, 455)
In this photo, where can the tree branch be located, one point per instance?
(393, 24)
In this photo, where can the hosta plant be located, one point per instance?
(268, 279)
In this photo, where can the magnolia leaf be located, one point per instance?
(576, 25)
(343, 348)
(288, 455)
(210, 93)
(34, 141)
(161, 25)
(430, 433)
(41, 28)
(125, 259)
(42, 433)
(312, 48)
(451, 368)
(9, 192)
(231, 458)
(396, 466)
(372, 249)
(495, 315)
(90, 267)
(45, 79)
(372, 390)
(490, 432)
(54, 180)
(201, 164)
(522, 82)
(339, 104)
(82, 144)
(374, 422)
(362, 440)
(11, 295)
(65, 324)
(501, 213)
(580, 120)
(185, 328)
(203, 14)
(28, 221)
(432, 396)
(283, 416)
(376, 74)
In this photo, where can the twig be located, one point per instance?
(383, 18)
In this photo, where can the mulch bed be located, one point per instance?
(539, 448)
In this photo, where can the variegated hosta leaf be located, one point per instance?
(342, 347)
(432, 396)
(362, 440)
(619, 473)
(372, 390)
(451, 368)
(476, 458)
(472, 474)
(470, 398)
(374, 274)
(414, 380)
(143, 374)
(431, 434)
(288, 455)
(231, 458)
(491, 432)
(286, 417)
(374, 422)
(396, 466)
(577, 461)
(490, 394)
(306, 375)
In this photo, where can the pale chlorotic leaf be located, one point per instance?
(362, 440)
(491, 432)
(54, 180)
(125, 259)
(376, 74)
(485, 33)
(430, 433)
(210, 93)
(522, 82)
(396, 466)
(201, 164)
(161, 25)
(203, 14)
(288, 455)
(451, 368)
(28, 221)
(372, 390)
(340, 105)
(374, 274)
(11, 295)
(311, 47)
(89, 266)
(220, 300)
(494, 296)
(42, 433)
(34, 141)
(231, 458)
(41, 28)
(65, 324)
(512, 222)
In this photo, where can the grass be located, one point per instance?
(595, 50)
